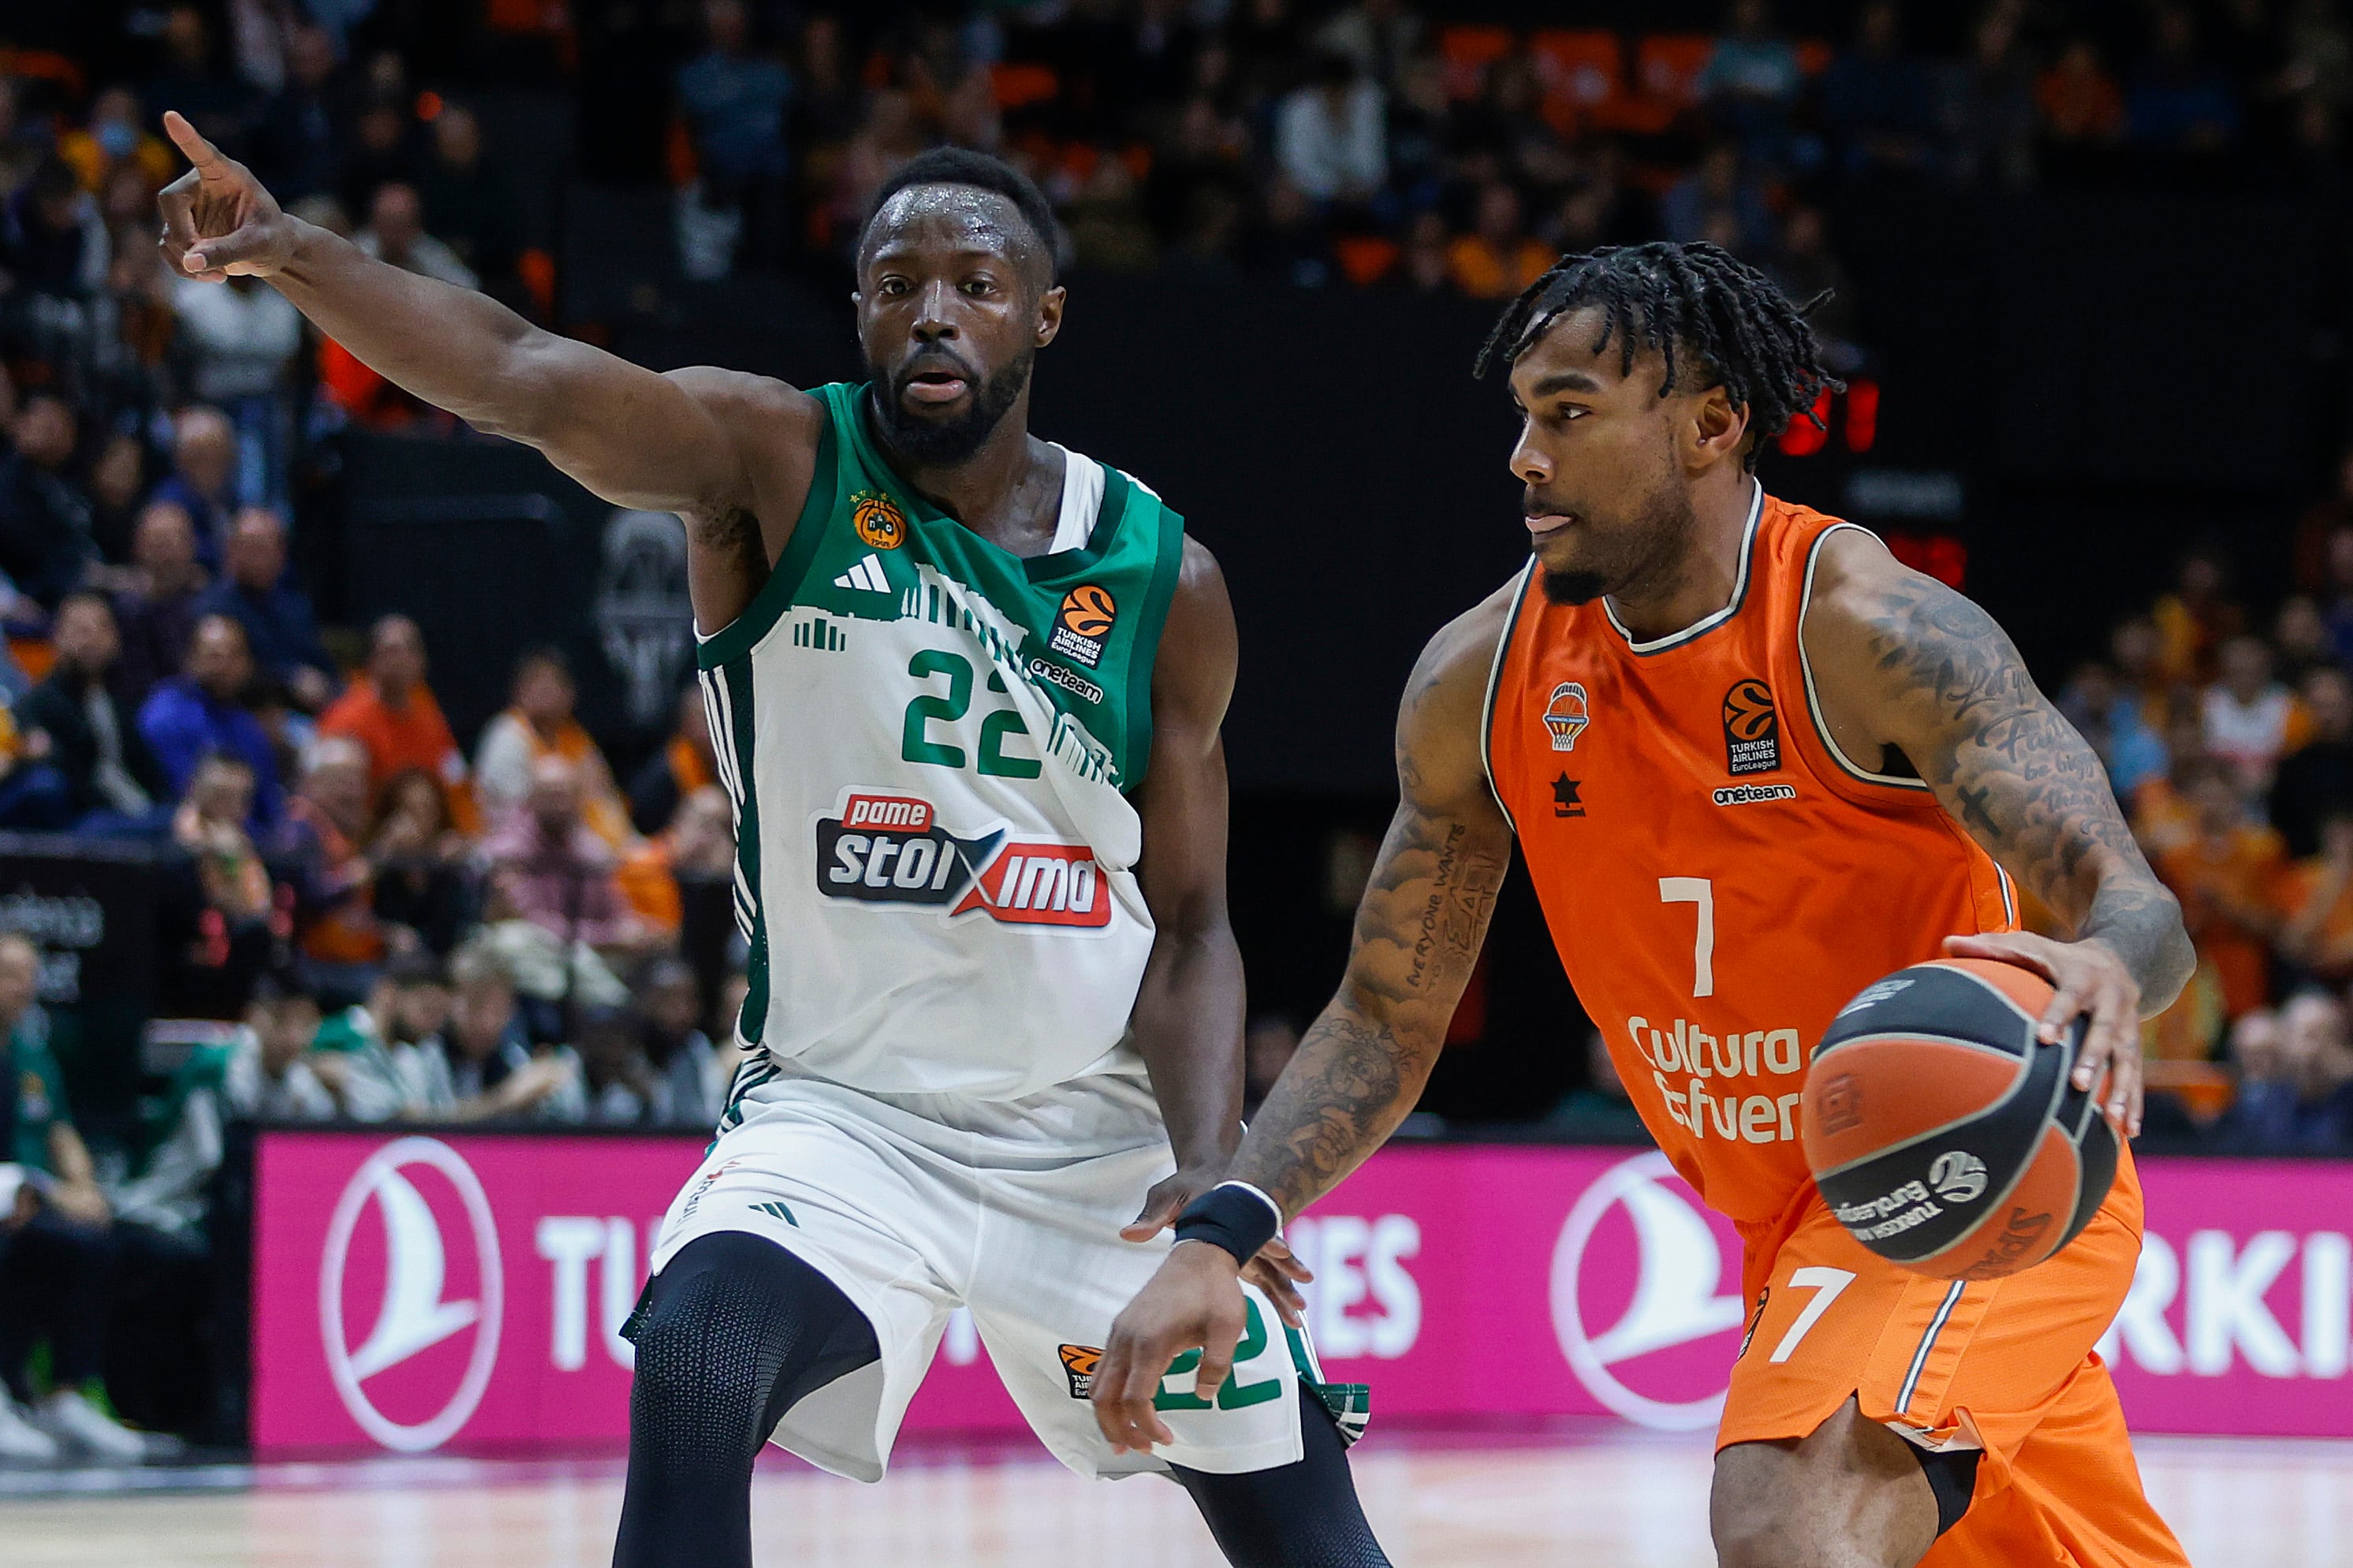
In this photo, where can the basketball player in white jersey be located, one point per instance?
(965, 689)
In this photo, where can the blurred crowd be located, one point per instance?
(2227, 729)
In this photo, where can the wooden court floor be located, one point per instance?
(1630, 1502)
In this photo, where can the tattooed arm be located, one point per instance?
(1362, 1065)
(1909, 673)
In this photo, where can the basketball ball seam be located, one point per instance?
(1910, 1034)
(1994, 1201)
(1971, 975)
(2017, 1087)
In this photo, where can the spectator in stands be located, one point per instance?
(33, 794)
(1752, 80)
(279, 627)
(118, 134)
(2197, 617)
(1499, 258)
(299, 151)
(2111, 722)
(377, 1057)
(222, 925)
(2315, 899)
(1990, 123)
(1105, 217)
(246, 336)
(2296, 1098)
(56, 1254)
(555, 870)
(618, 1085)
(2300, 639)
(539, 724)
(2247, 712)
(118, 484)
(683, 765)
(1379, 37)
(1803, 268)
(320, 852)
(422, 895)
(1718, 189)
(491, 1071)
(112, 780)
(1330, 136)
(734, 102)
(466, 202)
(157, 618)
(2227, 877)
(203, 713)
(396, 233)
(1425, 265)
(195, 82)
(1876, 98)
(21, 144)
(2178, 103)
(694, 1073)
(391, 711)
(261, 1074)
(45, 541)
(2317, 776)
(202, 481)
(1268, 1042)
(53, 237)
(2077, 101)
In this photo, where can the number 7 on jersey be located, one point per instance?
(1701, 891)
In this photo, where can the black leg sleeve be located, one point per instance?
(733, 1332)
(1295, 1516)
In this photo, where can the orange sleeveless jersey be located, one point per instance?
(1720, 882)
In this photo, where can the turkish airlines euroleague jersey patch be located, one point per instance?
(1752, 729)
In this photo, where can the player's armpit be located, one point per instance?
(1901, 661)
(1423, 916)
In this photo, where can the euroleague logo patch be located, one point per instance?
(1085, 619)
(880, 525)
(1752, 729)
(1079, 1366)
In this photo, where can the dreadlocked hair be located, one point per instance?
(1710, 315)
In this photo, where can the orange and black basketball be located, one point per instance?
(1088, 610)
(1944, 1134)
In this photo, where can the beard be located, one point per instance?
(942, 442)
(1650, 552)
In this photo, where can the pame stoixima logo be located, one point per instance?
(411, 1295)
(1639, 1302)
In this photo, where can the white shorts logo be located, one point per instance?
(412, 1316)
(1679, 1264)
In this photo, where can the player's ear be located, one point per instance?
(1718, 429)
(1049, 314)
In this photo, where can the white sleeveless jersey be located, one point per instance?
(928, 740)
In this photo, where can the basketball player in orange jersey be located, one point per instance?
(1754, 764)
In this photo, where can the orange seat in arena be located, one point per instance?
(1468, 51)
(1582, 70)
(1021, 83)
(1667, 66)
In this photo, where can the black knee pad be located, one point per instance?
(1953, 1477)
(728, 1337)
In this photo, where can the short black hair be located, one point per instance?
(1704, 310)
(963, 166)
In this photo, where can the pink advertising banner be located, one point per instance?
(417, 1292)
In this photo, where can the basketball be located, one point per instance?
(1088, 610)
(1945, 1135)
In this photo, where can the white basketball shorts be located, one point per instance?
(916, 1205)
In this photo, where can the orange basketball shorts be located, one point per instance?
(2004, 1365)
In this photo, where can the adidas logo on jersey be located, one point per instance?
(866, 577)
(890, 849)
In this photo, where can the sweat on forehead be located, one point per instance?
(977, 219)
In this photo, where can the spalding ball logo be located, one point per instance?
(1959, 1177)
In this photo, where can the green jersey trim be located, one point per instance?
(768, 607)
(1168, 560)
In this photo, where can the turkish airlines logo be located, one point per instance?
(1644, 1356)
(412, 1379)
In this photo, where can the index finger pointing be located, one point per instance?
(191, 141)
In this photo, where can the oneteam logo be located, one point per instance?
(1646, 1359)
(395, 1379)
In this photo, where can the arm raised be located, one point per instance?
(721, 448)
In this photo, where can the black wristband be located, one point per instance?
(1231, 1215)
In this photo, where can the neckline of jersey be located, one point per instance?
(1707, 623)
(1109, 511)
